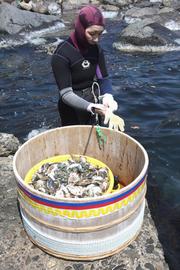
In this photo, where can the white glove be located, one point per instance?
(92, 106)
(108, 101)
(115, 122)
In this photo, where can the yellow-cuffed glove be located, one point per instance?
(115, 122)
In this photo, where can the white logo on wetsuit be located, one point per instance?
(85, 64)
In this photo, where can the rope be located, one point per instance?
(96, 98)
(95, 84)
(101, 137)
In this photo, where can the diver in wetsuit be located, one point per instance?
(80, 72)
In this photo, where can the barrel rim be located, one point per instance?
(141, 176)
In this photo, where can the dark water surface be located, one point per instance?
(147, 88)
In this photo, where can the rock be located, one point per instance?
(142, 12)
(8, 144)
(118, 3)
(40, 7)
(6, 169)
(171, 3)
(13, 20)
(6, 1)
(147, 33)
(109, 8)
(74, 4)
(135, 14)
(154, 13)
(171, 20)
(26, 6)
(165, 10)
(156, 1)
(54, 9)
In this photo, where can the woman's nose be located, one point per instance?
(96, 39)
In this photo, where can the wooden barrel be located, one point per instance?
(86, 228)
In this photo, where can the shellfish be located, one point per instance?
(74, 178)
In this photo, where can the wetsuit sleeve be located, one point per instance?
(62, 74)
(102, 75)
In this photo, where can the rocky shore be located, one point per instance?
(150, 25)
(18, 252)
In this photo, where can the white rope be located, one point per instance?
(95, 84)
(96, 98)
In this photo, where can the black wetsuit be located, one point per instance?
(75, 74)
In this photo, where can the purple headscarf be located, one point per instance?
(88, 16)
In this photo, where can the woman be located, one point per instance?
(79, 68)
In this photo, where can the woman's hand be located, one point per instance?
(97, 108)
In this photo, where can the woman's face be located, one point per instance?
(92, 33)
